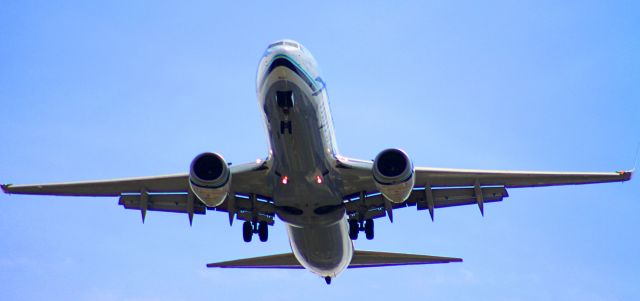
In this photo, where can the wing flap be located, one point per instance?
(177, 203)
(373, 205)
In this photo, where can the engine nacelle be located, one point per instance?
(209, 178)
(393, 174)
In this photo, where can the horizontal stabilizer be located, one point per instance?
(370, 259)
(361, 259)
(279, 261)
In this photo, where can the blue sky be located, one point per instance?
(131, 88)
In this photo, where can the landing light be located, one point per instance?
(285, 180)
(319, 179)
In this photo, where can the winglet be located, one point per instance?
(628, 174)
(635, 164)
(5, 188)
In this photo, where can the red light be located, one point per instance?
(319, 179)
(285, 180)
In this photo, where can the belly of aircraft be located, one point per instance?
(324, 250)
(306, 190)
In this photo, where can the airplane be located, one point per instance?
(324, 199)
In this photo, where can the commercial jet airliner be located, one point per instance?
(324, 199)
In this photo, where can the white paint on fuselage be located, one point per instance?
(320, 242)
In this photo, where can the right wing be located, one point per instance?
(443, 187)
(171, 193)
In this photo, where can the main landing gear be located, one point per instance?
(285, 102)
(327, 280)
(250, 228)
(356, 226)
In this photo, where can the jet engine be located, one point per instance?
(393, 174)
(209, 178)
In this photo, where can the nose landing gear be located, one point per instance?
(285, 103)
(327, 280)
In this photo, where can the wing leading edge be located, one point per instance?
(358, 176)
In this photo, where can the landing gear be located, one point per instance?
(368, 229)
(261, 228)
(327, 280)
(285, 102)
(356, 226)
(247, 231)
(285, 125)
(263, 231)
(353, 229)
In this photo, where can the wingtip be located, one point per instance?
(5, 188)
(626, 174)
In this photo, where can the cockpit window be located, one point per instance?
(275, 44)
(292, 44)
(286, 43)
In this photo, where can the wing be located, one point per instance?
(441, 187)
(171, 193)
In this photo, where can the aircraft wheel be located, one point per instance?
(263, 231)
(285, 125)
(368, 229)
(353, 229)
(247, 231)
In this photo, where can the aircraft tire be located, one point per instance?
(368, 229)
(247, 231)
(263, 231)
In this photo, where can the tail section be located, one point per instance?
(361, 259)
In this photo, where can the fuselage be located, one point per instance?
(302, 149)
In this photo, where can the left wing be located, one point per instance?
(440, 187)
(249, 195)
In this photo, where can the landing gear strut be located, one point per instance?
(249, 228)
(327, 280)
(356, 226)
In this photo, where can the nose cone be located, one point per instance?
(288, 48)
(291, 55)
